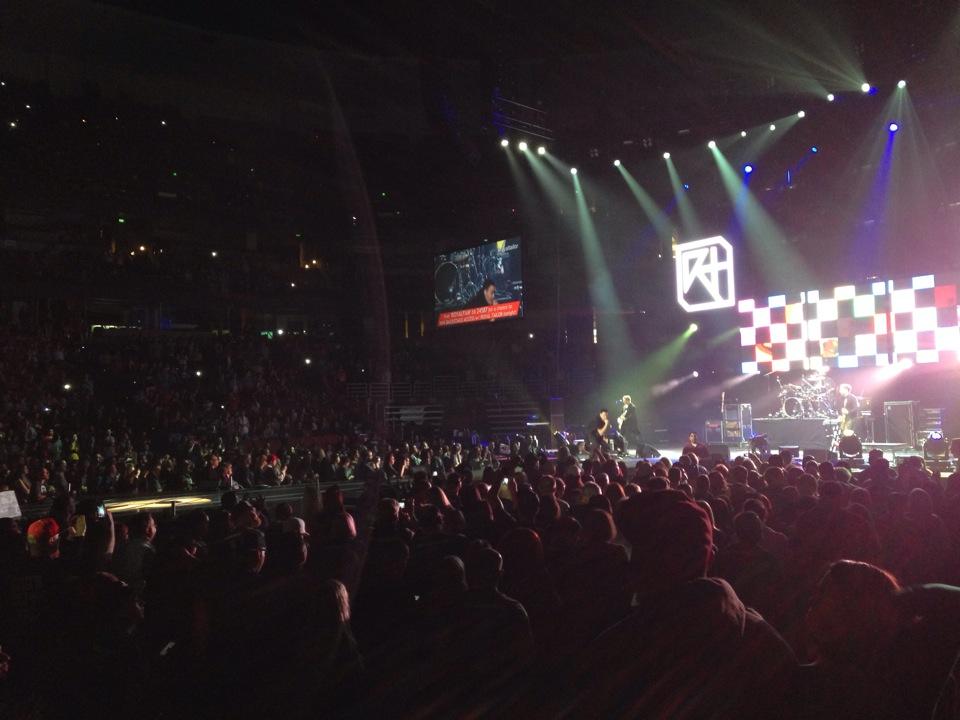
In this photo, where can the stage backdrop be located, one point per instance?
(874, 324)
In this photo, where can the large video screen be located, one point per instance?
(481, 283)
(874, 324)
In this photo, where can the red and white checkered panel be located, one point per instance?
(869, 325)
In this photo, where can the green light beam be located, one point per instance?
(655, 215)
(764, 236)
(688, 216)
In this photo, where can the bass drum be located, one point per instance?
(791, 407)
(446, 284)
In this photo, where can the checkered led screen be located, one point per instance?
(874, 324)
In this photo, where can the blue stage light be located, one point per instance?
(686, 187)
(747, 169)
(814, 149)
(893, 127)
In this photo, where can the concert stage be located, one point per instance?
(802, 432)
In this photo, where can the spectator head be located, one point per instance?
(831, 492)
(546, 485)
(672, 538)
(774, 477)
(43, 538)
(598, 527)
(245, 515)
(388, 512)
(853, 615)
(484, 567)
(252, 550)
(450, 578)
(826, 471)
(739, 475)
(807, 485)
(283, 511)
(548, 512)
(143, 526)
(919, 504)
(198, 523)
(522, 554)
(755, 505)
(333, 604)
(861, 496)
(749, 528)
(333, 500)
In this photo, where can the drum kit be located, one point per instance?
(812, 397)
(459, 276)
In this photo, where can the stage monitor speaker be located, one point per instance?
(721, 451)
(900, 421)
(648, 451)
(792, 449)
(820, 455)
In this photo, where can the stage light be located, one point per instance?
(199, 373)
(573, 171)
(121, 220)
(531, 336)
(747, 169)
(143, 248)
(865, 87)
(686, 186)
(693, 327)
(772, 127)
(893, 127)
(307, 361)
(541, 150)
(902, 84)
(666, 156)
(802, 114)
(850, 446)
(213, 253)
(293, 285)
(935, 446)
(712, 144)
(522, 146)
(743, 133)
(67, 386)
(163, 122)
(814, 149)
(696, 373)
(279, 331)
(504, 143)
(616, 163)
(831, 97)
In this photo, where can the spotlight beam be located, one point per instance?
(764, 236)
(688, 216)
(655, 215)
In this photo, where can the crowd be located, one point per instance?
(86, 414)
(464, 584)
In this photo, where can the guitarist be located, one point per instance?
(628, 424)
(849, 408)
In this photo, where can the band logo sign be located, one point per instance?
(705, 274)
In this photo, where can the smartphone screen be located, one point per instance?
(101, 511)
